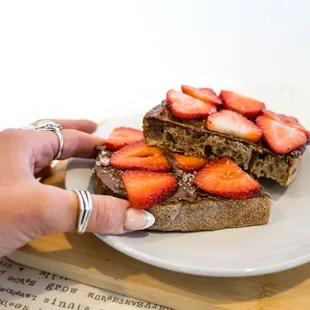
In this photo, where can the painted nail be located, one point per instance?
(138, 219)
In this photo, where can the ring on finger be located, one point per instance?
(85, 209)
(49, 125)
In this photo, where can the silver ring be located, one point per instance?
(85, 209)
(49, 126)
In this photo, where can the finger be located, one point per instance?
(110, 215)
(76, 144)
(81, 125)
(39, 148)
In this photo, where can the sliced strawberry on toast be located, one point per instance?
(184, 106)
(226, 179)
(140, 156)
(280, 137)
(280, 117)
(146, 188)
(122, 136)
(242, 104)
(232, 123)
(190, 163)
(204, 94)
(287, 120)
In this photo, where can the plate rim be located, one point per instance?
(221, 272)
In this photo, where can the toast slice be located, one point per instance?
(188, 208)
(161, 128)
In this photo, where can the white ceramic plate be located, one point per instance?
(280, 245)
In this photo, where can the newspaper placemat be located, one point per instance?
(29, 289)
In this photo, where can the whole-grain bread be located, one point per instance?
(188, 208)
(162, 129)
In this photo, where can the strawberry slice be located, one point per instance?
(287, 120)
(232, 123)
(299, 128)
(184, 106)
(204, 94)
(146, 188)
(280, 117)
(226, 179)
(122, 136)
(190, 163)
(140, 156)
(280, 137)
(244, 105)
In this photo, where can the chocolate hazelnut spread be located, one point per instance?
(186, 189)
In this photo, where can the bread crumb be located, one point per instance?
(105, 161)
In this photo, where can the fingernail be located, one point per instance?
(138, 219)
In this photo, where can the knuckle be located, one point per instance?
(96, 212)
(108, 217)
(79, 144)
(103, 217)
(76, 140)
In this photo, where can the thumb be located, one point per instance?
(109, 215)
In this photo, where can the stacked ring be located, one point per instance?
(85, 209)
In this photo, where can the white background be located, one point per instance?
(103, 59)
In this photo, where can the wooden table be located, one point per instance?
(88, 260)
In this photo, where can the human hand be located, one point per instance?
(30, 209)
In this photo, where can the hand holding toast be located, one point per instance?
(30, 209)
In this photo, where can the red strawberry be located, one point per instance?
(204, 94)
(280, 117)
(225, 178)
(140, 156)
(146, 188)
(190, 163)
(280, 137)
(122, 136)
(235, 124)
(299, 128)
(287, 120)
(184, 106)
(244, 105)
